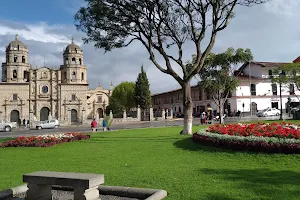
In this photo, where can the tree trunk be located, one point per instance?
(221, 114)
(187, 109)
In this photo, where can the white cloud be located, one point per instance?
(269, 30)
(286, 8)
(37, 32)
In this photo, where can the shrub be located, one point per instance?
(44, 140)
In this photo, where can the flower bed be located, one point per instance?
(44, 140)
(271, 138)
(281, 130)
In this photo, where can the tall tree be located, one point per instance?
(217, 76)
(142, 94)
(122, 98)
(287, 76)
(290, 78)
(158, 25)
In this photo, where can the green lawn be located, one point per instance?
(161, 158)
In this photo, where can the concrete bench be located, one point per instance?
(40, 184)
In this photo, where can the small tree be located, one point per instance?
(142, 94)
(122, 98)
(288, 76)
(217, 76)
(158, 25)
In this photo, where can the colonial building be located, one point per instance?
(43, 93)
(255, 92)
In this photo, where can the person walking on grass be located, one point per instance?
(94, 125)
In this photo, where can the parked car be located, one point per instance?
(268, 112)
(7, 126)
(295, 109)
(54, 123)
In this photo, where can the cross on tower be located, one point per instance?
(72, 40)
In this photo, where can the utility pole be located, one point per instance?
(280, 101)
(249, 66)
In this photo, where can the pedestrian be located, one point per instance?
(28, 124)
(94, 125)
(202, 118)
(104, 125)
(24, 122)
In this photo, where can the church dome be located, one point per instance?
(72, 48)
(16, 44)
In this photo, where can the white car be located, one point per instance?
(7, 126)
(53, 123)
(268, 112)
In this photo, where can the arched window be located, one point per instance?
(274, 89)
(23, 59)
(253, 89)
(15, 75)
(73, 61)
(73, 76)
(66, 61)
(18, 47)
(15, 58)
(82, 76)
(292, 89)
(65, 76)
(80, 61)
(5, 74)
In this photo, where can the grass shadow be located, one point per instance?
(264, 183)
(189, 145)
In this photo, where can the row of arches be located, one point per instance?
(73, 78)
(73, 61)
(44, 115)
(16, 59)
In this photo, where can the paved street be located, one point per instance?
(119, 126)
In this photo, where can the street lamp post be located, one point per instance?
(289, 106)
(243, 109)
(280, 95)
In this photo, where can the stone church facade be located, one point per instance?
(44, 93)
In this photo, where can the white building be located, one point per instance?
(256, 90)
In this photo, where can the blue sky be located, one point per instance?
(32, 11)
(46, 27)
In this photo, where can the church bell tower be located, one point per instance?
(73, 71)
(16, 68)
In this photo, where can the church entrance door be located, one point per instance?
(74, 117)
(14, 116)
(44, 114)
(100, 113)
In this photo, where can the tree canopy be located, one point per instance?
(142, 94)
(217, 77)
(122, 98)
(159, 25)
(288, 75)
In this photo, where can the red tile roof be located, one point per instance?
(297, 60)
